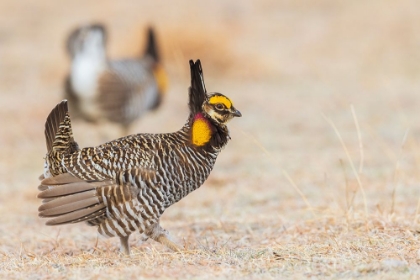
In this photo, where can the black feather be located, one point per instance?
(197, 90)
(151, 46)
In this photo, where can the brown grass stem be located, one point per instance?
(267, 153)
(397, 168)
(356, 174)
(417, 211)
(359, 136)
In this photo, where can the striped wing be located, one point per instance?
(127, 90)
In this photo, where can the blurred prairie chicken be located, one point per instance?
(118, 91)
(125, 185)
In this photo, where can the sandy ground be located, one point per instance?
(287, 197)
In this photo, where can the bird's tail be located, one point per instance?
(59, 139)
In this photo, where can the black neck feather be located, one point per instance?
(220, 137)
(151, 46)
(197, 90)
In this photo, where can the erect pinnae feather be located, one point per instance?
(151, 46)
(197, 90)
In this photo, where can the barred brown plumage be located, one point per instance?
(125, 185)
(118, 91)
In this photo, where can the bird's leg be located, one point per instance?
(164, 239)
(161, 235)
(125, 247)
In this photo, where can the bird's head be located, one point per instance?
(219, 108)
(215, 106)
(89, 39)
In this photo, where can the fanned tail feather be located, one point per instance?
(59, 138)
(55, 118)
(58, 131)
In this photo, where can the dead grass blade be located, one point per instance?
(301, 194)
(356, 174)
(397, 168)
(417, 212)
(359, 136)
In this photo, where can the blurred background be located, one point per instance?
(288, 66)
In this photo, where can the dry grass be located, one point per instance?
(321, 178)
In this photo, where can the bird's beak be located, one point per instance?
(236, 113)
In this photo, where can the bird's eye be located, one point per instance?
(220, 106)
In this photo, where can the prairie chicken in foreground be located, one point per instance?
(125, 185)
(118, 91)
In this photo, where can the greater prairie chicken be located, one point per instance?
(118, 91)
(125, 185)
